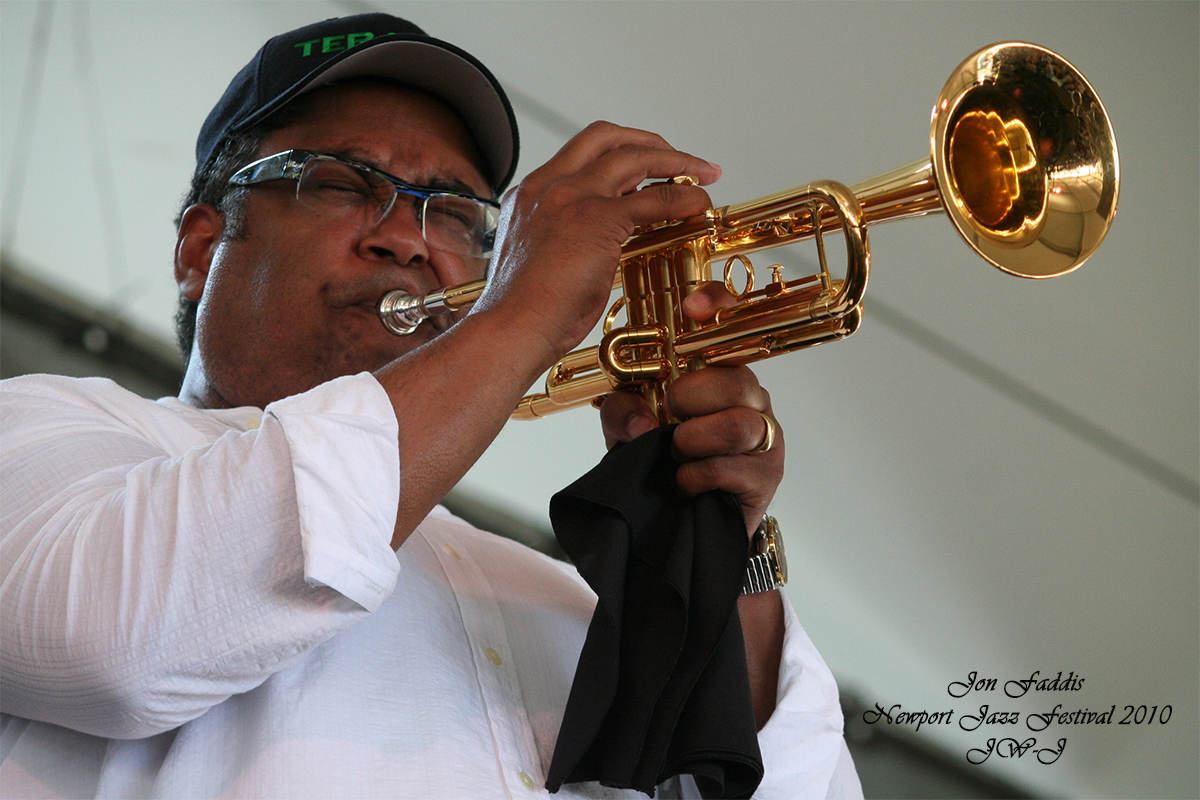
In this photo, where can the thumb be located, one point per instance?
(624, 416)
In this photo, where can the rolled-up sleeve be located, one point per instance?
(803, 747)
(346, 469)
(158, 560)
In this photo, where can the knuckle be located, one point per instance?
(680, 200)
(560, 192)
(522, 195)
(737, 387)
(601, 126)
(750, 394)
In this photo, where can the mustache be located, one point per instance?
(365, 293)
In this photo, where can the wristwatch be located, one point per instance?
(767, 568)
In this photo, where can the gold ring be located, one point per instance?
(768, 438)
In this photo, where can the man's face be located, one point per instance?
(289, 303)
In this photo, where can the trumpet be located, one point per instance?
(1022, 160)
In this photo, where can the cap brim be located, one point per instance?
(442, 70)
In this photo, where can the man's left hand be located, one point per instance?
(725, 416)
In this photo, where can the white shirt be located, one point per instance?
(204, 603)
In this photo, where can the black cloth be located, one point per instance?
(662, 687)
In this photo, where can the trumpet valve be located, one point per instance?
(777, 284)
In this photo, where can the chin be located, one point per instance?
(371, 356)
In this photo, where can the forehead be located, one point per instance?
(395, 128)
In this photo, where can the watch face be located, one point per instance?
(782, 567)
(775, 547)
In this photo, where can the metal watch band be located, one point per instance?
(767, 567)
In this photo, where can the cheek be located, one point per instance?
(478, 268)
(243, 292)
(267, 285)
(453, 270)
(262, 268)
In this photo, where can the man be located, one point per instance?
(250, 591)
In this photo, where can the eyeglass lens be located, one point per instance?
(448, 222)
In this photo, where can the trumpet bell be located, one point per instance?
(1025, 160)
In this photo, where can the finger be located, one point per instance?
(712, 389)
(624, 416)
(598, 138)
(622, 171)
(733, 431)
(739, 475)
(660, 202)
(603, 138)
(706, 300)
(751, 479)
(630, 165)
(616, 163)
(604, 195)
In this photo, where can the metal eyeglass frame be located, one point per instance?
(289, 164)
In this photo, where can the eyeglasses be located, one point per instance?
(335, 187)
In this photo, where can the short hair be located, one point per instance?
(210, 185)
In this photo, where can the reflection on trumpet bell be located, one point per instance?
(988, 156)
(1054, 146)
(1022, 159)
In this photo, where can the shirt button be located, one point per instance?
(253, 423)
(451, 551)
(526, 780)
(493, 656)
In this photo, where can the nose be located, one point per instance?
(397, 237)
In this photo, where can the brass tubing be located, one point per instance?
(904, 193)
(572, 365)
(748, 350)
(578, 392)
(1022, 159)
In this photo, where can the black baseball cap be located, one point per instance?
(368, 45)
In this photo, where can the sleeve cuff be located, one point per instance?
(343, 439)
(802, 743)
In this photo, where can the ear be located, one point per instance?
(200, 232)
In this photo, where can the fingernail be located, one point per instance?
(698, 305)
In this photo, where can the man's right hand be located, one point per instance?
(562, 229)
(558, 248)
